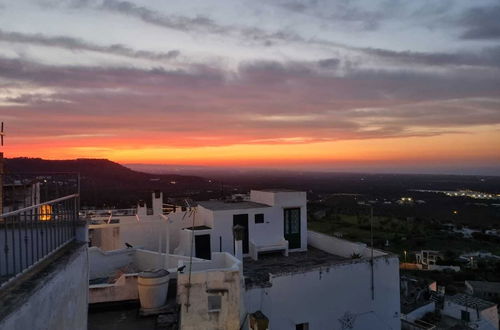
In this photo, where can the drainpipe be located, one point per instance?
(238, 233)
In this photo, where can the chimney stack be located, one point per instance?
(238, 233)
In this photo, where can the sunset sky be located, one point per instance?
(329, 85)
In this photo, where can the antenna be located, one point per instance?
(1, 135)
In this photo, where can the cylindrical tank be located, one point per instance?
(153, 288)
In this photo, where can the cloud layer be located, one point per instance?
(250, 83)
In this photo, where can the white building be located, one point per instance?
(283, 274)
(428, 260)
(474, 312)
(484, 289)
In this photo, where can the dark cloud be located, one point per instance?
(346, 12)
(76, 76)
(189, 24)
(481, 23)
(266, 102)
(79, 44)
(329, 63)
(173, 22)
(485, 57)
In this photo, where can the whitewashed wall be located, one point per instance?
(59, 303)
(221, 276)
(488, 319)
(420, 312)
(222, 226)
(321, 297)
(285, 199)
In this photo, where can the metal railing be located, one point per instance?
(33, 228)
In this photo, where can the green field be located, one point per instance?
(401, 235)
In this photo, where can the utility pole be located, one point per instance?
(371, 259)
(1, 170)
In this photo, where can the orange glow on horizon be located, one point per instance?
(452, 148)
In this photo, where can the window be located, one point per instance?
(259, 218)
(465, 316)
(302, 326)
(214, 303)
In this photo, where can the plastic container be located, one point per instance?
(153, 288)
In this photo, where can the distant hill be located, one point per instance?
(106, 182)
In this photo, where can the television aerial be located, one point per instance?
(1, 135)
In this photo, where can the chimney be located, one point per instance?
(142, 208)
(238, 233)
(157, 202)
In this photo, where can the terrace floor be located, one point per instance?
(257, 272)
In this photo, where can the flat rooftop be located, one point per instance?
(470, 301)
(277, 190)
(485, 286)
(231, 205)
(257, 272)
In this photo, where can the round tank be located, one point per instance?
(153, 288)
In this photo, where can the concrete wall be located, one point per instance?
(212, 281)
(285, 199)
(267, 233)
(124, 288)
(340, 246)
(185, 243)
(113, 263)
(59, 301)
(143, 233)
(105, 263)
(420, 312)
(322, 296)
(222, 229)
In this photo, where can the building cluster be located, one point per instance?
(248, 262)
(425, 305)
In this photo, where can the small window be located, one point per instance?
(465, 316)
(302, 326)
(259, 218)
(214, 303)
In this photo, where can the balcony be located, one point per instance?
(33, 226)
(43, 253)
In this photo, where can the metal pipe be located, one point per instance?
(8, 214)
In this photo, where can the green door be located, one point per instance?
(292, 227)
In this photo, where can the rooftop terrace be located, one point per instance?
(257, 272)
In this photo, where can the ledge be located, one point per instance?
(18, 291)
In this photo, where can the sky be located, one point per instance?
(410, 86)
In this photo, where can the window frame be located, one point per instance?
(259, 221)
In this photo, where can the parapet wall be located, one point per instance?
(55, 299)
(339, 246)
